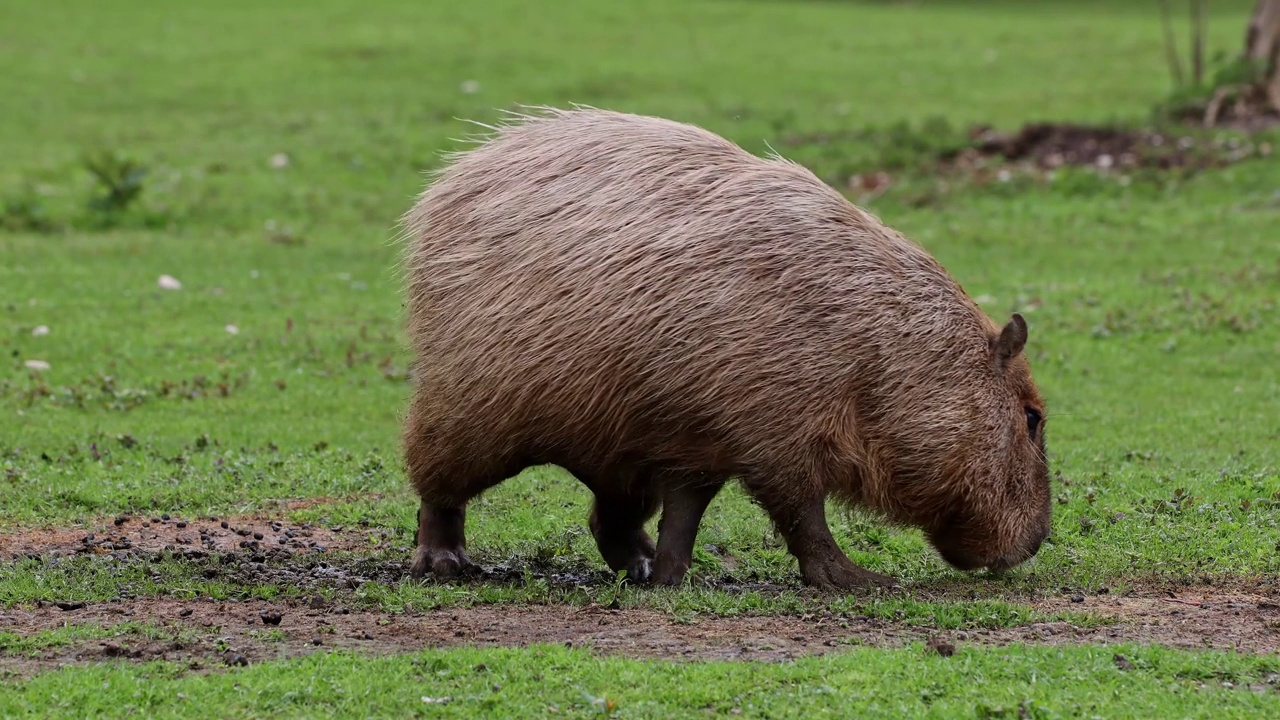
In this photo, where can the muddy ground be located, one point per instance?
(1052, 145)
(210, 634)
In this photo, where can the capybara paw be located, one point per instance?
(441, 563)
(840, 574)
(640, 569)
(668, 570)
(633, 555)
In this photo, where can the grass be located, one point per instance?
(1014, 682)
(274, 149)
(15, 644)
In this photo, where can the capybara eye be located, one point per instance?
(1033, 421)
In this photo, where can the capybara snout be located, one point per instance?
(963, 553)
(658, 311)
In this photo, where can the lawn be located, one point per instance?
(279, 145)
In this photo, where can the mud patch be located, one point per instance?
(1052, 145)
(208, 635)
(128, 535)
(929, 161)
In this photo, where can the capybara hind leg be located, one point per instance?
(803, 522)
(441, 542)
(684, 500)
(617, 523)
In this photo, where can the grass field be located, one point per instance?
(280, 145)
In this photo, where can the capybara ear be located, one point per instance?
(1012, 338)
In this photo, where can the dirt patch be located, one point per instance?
(208, 634)
(215, 634)
(127, 535)
(1053, 145)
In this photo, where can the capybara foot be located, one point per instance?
(442, 563)
(624, 545)
(837, 573)
(668, 569)
(640, 569)
(635, 556)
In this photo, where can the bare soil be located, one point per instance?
(211, 634)
(127, 534)
(1053, 145)
(1243, 615)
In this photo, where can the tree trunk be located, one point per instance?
(1262, 45)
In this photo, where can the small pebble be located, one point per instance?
(65, 605)
(1077, 598)
(165, 517)
(180, 524)
(257, 536)
(225, 525)
(184, 612)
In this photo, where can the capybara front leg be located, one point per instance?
(803, 522)
(684, 501)
(441, 542)
(617, 523)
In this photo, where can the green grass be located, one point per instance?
(12, 643)
(1008, 683)
(1153, 311)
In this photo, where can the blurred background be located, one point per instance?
(198, 207)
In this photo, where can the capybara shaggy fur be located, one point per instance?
(658, 311)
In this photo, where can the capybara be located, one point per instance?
(658, 311)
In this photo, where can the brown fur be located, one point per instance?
(656, 310)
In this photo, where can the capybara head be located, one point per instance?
(968, 453)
